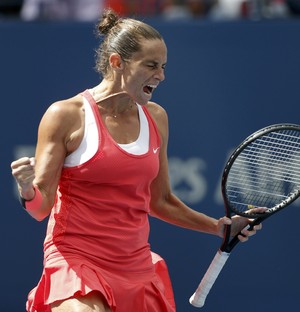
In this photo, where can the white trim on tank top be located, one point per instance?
(89, 144)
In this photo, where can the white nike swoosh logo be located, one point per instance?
(155, 150)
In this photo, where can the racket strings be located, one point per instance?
(266, 171)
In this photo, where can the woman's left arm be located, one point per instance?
(166, 206)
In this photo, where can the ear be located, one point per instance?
(116, 62)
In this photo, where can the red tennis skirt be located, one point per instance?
(124, 291)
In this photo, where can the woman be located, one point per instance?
(100, 168)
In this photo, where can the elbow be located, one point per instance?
(154, 208)
(159, 205)
(157, 209)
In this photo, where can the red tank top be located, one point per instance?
(102, 206)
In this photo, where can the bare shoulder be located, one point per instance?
(63, 113)
(64, 121)
(157, 112)
(67, 108)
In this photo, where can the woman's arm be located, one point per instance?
(60, 132)
(166, 206)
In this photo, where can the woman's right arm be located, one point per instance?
(60, 132)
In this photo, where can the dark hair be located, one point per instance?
(122, 36)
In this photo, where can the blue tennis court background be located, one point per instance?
(223, 81)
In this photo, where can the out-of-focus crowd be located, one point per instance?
(89, 10)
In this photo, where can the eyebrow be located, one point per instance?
(155, 62)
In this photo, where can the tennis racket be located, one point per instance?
(263, 171)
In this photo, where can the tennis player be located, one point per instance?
(100, 169)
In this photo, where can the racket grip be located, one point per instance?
(198, 298)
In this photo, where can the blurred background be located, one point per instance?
(88, 10)
(233, 67)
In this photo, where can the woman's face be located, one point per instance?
(145, 70)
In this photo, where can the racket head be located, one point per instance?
(263, 171)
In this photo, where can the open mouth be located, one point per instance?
(149, 89)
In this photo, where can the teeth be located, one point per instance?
(149, 88)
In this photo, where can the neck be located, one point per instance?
(110, 102)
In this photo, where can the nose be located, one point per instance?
(160, 74)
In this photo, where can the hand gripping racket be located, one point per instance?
(263, 171)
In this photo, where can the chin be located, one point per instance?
(144, 100)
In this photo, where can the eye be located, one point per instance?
(156, 66)
(153, 66)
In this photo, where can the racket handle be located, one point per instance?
(198, 298)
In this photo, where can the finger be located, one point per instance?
(20, 162)
(26, 179)
(256, 210)
(32, 161)
(23, 169)
(243, 238)
(250, 232)
(24, 174)
(257, 227)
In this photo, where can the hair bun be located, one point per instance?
(108, 20)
